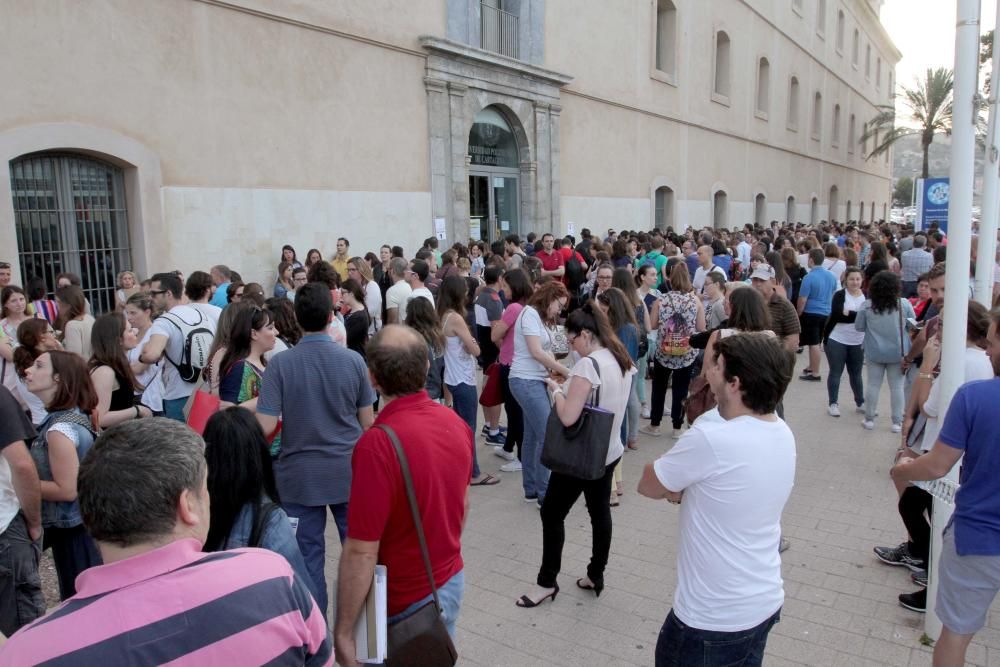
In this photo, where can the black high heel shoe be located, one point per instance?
(527, 603)
(597, 587)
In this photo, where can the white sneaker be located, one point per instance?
(651, 430)
(645, 411)
(860, 409)
(676, 433)
(507, 456)
(834, 410)
(897, 428)
(868, 424)
(513, 466)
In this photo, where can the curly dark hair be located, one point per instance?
(884, 290)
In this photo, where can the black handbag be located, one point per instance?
(580, 450)
(422, 639)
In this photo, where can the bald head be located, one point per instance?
(397, 361)
(705, 256)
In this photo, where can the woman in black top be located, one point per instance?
(111, 373)
(356, 321)
(878, 260)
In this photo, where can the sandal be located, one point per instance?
(614, 500)
(486, 480)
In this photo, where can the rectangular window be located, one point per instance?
(666, 37)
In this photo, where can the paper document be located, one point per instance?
(370, 630)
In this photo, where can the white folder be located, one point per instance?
(370, 629)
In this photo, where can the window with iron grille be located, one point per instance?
(70, 217)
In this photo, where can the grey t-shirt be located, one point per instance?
(317, 388)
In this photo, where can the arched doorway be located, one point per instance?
(70, 217)
(790, 216)
(493, 177)
(720, 209)
(760, 209)
(664, 208)
(832, 211)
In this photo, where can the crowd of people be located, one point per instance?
(311, 387)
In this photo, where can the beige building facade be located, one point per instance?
(161, 134)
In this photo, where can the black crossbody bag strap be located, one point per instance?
(404, 467)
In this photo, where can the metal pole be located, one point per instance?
(963, 145)
(986, 255)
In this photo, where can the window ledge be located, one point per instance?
(797, 9)
(719, 98)
(760, 114)
(821, 34)
(792, 128)
(665, 77)
(814, 136)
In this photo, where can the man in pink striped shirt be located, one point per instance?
(158, 598)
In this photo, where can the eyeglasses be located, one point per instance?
(604, 278)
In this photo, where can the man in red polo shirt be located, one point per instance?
(553, 263)
(438, 446)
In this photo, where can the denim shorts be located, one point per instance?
(967, 587)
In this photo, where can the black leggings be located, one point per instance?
(915, 508)
(562, 494)
(661, 377)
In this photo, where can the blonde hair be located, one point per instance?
(122, 274)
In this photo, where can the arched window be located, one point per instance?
(878, 73)
(720, 209)
(760, 209)
(763, 86)
(868, 62)
(840, 32)
(833, 204)
(70, 216)
(814, 211)
(855, 49)
(790, 214)
(892, 90)
(851, 135)
(817, 119)
(666, 37)
(836, 126)
(491, 141)
(847, 212)
(821, 18)
(861, 211)
(793, 104)
(664, 208)
(721, 84)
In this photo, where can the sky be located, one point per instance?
(923, 30)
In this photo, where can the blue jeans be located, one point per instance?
(466, 405)
(450, 597)
(173, 408)
(894, 376)
(534, 401)
(680, 644)
(630, 424)
(838, 356)
(310, 535)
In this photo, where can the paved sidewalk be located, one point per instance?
(840, 606)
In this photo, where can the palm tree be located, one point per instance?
(930, 106)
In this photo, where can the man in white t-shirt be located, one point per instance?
(416, 276)
(397, 295)
(198, 290)
(734, 479)
(705, 267)
(168, 339)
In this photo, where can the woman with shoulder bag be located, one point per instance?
(883, 320)
(604, 366)
(61, 381)
(681, 315)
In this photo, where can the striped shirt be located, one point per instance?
(180, 606)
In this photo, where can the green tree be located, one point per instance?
(903, 192)
(930, 105)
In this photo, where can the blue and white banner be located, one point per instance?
(932, 203)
